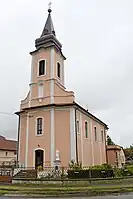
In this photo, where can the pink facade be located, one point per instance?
(49, 112)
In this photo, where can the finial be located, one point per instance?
(49, 5)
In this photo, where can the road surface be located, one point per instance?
(98, 197)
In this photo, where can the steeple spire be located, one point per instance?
(49, 27)
(48, 37)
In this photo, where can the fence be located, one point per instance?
(63, 174)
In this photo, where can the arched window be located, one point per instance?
(39, 125)
(95, 131)
(58, 70)
(102, 135)
(86, 129)
(42, 67)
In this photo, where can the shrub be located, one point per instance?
(74, 165)
(88, 173)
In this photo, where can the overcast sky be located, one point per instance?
(97, 38)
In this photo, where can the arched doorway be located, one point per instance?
(39, 160)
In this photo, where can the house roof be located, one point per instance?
(10, 145)
(113, 147)
(77, 106)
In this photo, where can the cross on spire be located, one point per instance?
(49, 7)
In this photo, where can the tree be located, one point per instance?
(109, 141)
(129, 153)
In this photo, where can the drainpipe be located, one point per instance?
(76, 135)
(105, 135)
(18, 138)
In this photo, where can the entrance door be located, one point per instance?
(39, 158)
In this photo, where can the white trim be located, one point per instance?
(31, 80)
(52, 138)
(32, 66)
(19, 140)
(26, 144)
(81, 134)
(72, 135)
(45, 68)
(92, 147)
(36, 126)
(100, 143)
(34, 156)
(52, 75)
(40, 90)
(63, 75)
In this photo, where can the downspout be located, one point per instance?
(77, 161)
(105, 135)
(18, 139)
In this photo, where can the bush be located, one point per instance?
(74, 165)
(88, 173)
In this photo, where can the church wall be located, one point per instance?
(39, 141)
(90, 152)
(87, 142)
(62, 134)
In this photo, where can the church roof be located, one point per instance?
(49, 27)
(76, 105)
(48, 37)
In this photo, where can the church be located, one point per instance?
(52, 126)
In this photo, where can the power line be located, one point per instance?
(5, 113)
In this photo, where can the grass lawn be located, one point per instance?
(64, 191)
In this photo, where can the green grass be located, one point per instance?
(88, 190)
(76, 183)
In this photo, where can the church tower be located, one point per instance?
(52, 126)
(47, 71)
(46, 91)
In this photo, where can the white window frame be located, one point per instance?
(36, 126)
(38, 67)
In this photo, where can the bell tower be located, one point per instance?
(47, 66)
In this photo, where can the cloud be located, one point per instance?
(97, 41)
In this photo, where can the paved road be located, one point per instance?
(101, 197)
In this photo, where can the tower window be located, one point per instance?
(86, 129)
(58, 70)
(42, 68)
(39, 126)
(95, 131)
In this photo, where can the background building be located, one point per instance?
(8, 151)
(115, 156)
